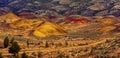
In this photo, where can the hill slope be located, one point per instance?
(67, 7)
(39, 28)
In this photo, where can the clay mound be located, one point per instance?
(25, 24)
(47, 29)
(9, 18)
(41, 28)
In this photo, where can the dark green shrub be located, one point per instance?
(46, 44)
(1, 55)
(6, 42)
(15, 48)
(114, 57)
(24, 55)
(28, 43)
(60, 56)
(39, 55)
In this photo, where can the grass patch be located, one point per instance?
(17, 38)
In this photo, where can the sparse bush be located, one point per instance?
(60, 56)
(39, 55)
(107, 41)
(97, 56)
(6, 42)
(17, 56)
(91, 51)
(28, 43)
(86, 50)
(34, 54)
(66, 43)
(1, 55)
(46, 44)
(104, 56)
(15, 48)
(24, 55)
(114, 57)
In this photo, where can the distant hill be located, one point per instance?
(64, 7)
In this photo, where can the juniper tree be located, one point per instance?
(6, 42)
(46, 44)
(15, 48)
(66, 43)
(28, 43)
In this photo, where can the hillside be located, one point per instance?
(64, 7)
(60, 28)
(38, 27)
(73, 37)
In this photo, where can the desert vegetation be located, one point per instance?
(35, 38)
(62, 48)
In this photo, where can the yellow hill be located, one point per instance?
(25, 23)
(41, 28)
(9, 18)
(47, 29)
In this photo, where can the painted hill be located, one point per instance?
(47, 28)
(40, 28)
(9, 18)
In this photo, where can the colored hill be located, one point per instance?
(9, 18)
(47, 28)
(41, 28)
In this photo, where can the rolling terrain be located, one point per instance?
(60, 28)
(72, 37)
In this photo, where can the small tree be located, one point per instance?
(15, 48)
(28, 43)
(6, 42)
(33, 54)
(39, 55)
(1, 55)
(24, 55)
(66, 43)
(60, 56)
(46, 44)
